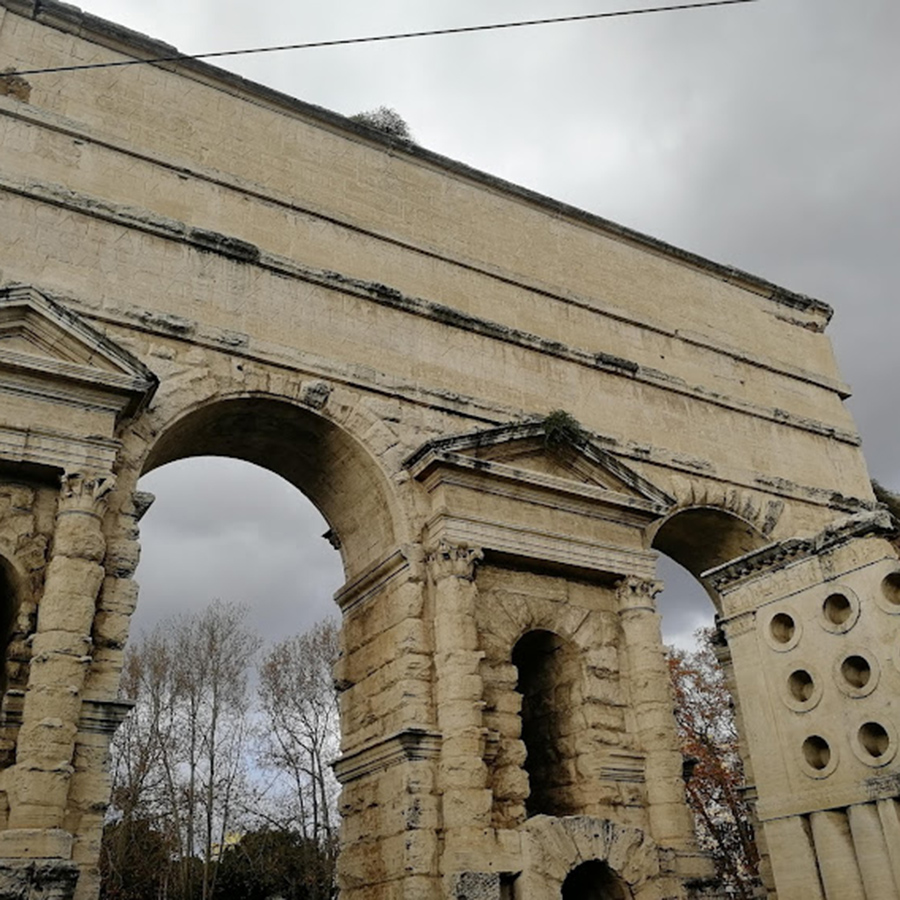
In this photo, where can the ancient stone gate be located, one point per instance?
(193, 264)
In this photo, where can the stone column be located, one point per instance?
(793, 860)
(889, 813)
(671, 824)
(462, 773)
(872, 852)
(836, 857)
(61, 655)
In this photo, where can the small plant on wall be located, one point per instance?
(561, 428)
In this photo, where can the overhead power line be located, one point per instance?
(309, 45)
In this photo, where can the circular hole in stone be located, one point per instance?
(782, 627)
(837, 609)
(890, 587)
(856, 671)
(874, 739)
(801, 685)
(816, 752)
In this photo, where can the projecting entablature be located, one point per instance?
(521, 493)
(66, 387)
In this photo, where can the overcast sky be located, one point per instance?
(764, 135)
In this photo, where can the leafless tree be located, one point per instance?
(299, 706)
(180, 758)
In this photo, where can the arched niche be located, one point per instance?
(703, 537)
(547, 667)
(334, 470)
(9, 608)
(594, 880)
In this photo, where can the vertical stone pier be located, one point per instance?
(39, 784)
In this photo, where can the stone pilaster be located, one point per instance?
(40, 781)
(462, 774)
(670, 819)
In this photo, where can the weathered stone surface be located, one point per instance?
(387, 330)
(38, 880)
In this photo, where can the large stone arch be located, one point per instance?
(305, 447)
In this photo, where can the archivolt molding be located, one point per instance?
(510, 615)
(553, 847)
(198, 380)
(757, 510)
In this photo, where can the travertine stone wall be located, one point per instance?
(388, 329)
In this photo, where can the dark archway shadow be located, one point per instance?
(9, 608)
(701, 538)
(594, 880)
(547, 667)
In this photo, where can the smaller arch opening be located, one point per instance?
(816, 752)
(547, 670)
(782, 628)
(856, 671)
(9, 607)
(837, 609)
(801, 685)
(874, 739)
(595, 880)
(890, 588)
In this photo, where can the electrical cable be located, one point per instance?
(468, 29)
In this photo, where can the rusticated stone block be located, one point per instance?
(78, 536)
(122, 557)
(119, 595)
(37, 880)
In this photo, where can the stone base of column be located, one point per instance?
(38, 879)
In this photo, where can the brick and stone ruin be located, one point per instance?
(195, 264)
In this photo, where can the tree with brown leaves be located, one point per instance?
(704, 712)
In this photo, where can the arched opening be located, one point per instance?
(707, 715)
(225, 529)
(594, 880)
(246, 490)
(547, 667)
(693, 541)
(701, 538)
(9, 607)
(329, 466)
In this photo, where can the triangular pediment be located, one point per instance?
(41, 340)
(525, 449)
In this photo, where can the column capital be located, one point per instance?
(85, 492)
(633, 593)
(454, 561)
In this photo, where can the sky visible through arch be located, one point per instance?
(762, 135)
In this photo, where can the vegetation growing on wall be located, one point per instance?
(890, 499)
(385, 119)
(562, 428)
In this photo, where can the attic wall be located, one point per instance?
(510, 300)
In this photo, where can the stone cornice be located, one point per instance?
(387, 296)
(785, 553)
(408, 745)
(450, 451)
(63, 349)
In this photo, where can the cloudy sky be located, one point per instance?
(764, 135)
